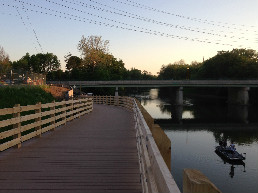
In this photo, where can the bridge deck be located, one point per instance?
(96, 153)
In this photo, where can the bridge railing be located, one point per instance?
(155, 175)
(125, 102)
(21, 123)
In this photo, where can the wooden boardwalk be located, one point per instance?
(96, 153)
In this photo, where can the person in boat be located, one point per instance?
(232, 148)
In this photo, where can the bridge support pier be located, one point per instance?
(116, 92)
(177, 95)
(176, 113)
(238, 95)
(238, 113)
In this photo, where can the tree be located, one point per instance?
(134, 74)
(5, 64)
(178, 70)
(39, 63)
(94, 51)
(72, 62)
(44, 63)
(23, 64)
(97, 63)
(235, 64)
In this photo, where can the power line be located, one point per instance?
(27, 27)
(34, 31)
(210, 22)
(134, 16)
(142, 30)
(150, 20)
(23, 22)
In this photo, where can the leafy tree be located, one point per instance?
(235, 64)
(57, 75)
(97, 63)
(39, 63)
(44, 63)
(94, 51)
(134, 74)
(23, 64)
(177, 70)
(72, 62)
(5, 64)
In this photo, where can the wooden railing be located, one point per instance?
(155, 175)
(126, 102)
(21, 123)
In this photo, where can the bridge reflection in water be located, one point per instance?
(235, 114)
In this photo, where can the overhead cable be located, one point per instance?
(210, 22)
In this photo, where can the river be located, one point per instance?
(195, 129)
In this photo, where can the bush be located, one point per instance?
(23, 95)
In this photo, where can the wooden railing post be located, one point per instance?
(53, 115)
(38, 128)
(64, 112)
(72, 110)
(17, 126)
(80, 108)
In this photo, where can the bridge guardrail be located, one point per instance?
(21, 123)
(155, 175)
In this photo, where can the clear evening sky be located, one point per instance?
(145, 34)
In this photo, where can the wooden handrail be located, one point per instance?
(22, 123)
(155, 175)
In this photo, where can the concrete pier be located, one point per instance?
(179, 96)
(238, 95)
(196, 182)
(116, 92)
(176, 94)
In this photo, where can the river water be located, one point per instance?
(195, 129)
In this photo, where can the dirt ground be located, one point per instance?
(57, 92)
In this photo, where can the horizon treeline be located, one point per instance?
(97, 63)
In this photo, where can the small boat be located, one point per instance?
(228, 153)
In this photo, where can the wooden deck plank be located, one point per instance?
(96, 153)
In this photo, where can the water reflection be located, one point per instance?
(194, 148)
(198, 110)
(237, 134)
(196, 128)
(238, 113)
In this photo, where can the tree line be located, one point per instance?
(235, 64)
(97, 63)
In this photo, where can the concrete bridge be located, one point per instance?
(161, 83)
(238, 90)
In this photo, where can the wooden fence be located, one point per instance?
(155, 175)
(125, 102)
(21, 123)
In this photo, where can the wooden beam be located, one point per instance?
(17, 125)
(38, 128)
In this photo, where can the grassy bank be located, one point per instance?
(23, 95)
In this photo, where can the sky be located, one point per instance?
(144, 34)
